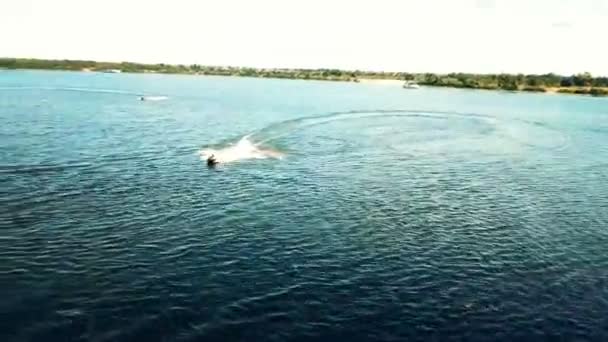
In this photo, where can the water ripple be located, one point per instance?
(377, 225)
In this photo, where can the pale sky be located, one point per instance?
(528, 36)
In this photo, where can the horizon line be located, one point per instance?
(367, 71)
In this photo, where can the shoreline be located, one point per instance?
(581, 84)
(580, 91)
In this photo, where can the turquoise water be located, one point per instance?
(358, 211)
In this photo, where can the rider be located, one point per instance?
(211, 161)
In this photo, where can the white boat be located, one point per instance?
(112, 71)
(410, 85)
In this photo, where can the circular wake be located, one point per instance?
(278, 130)
(255, 144)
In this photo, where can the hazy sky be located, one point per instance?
(529, 36)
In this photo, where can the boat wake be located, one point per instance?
(241, 150)
(154, 98)
(255, 144)
(283, 128)
(140, 96)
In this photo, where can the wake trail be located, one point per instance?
(255, 144)
(283, 128)
(140, 95)
(242, 149)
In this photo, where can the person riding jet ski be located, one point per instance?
(211, 161)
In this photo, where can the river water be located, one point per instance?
(338, 210)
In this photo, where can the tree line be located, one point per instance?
(583, 83)
(511, 82)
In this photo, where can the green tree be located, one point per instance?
(566, 82)
(582, 80)
(507, 82)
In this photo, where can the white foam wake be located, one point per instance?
(243, 149)
(154, 98)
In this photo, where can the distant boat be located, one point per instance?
(410, 85)
(112, 71)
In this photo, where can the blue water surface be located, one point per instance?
(393, 215)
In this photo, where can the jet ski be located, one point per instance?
(211, 161)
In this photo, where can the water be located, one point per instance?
(340, 210)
